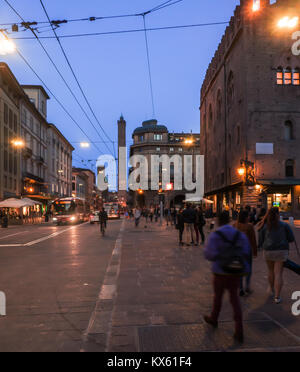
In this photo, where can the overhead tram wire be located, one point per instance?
(60, 74)
(90, 19)
(56, 99)
(165, 4)
(149, 67)
(126, 31)
(76, 79)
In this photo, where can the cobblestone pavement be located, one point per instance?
(164, 290)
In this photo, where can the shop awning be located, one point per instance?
(197, 199)
(280, 182)
(41, 197)
(15, 203)
(31, 202)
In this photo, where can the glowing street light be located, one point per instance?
(256, 6)
(188, 141)
(169, 187)
(6, 46)
(18, 143)
(241, 171)
(287, 22)
(85, 145)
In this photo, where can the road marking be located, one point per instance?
(51, 236)
(29, 244)
(282, 327)
(11, 245)
(107, 293)
(7, 236)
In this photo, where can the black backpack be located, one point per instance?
(232, 260)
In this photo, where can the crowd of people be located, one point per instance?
(231, 247)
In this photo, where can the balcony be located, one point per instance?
(40, 160)
(27, 153)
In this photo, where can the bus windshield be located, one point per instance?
(65, 207)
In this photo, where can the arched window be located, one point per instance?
(288, 130)
(210, 116)
(230, 89)
(219, 104)
(238, 135)
(289, 168)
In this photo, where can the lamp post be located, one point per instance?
(247, 170)
(6, 45)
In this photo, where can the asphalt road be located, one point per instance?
(51, 277)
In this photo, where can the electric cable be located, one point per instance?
(76, 78)
(58, 71)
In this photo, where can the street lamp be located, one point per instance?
(6, 45)
(85, 145)
(189, 141)
(18, 143)
(288, 22)
(256, 5)
(247, 170)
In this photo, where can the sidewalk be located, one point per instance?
(163, 292)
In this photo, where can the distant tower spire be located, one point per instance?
(121, 144)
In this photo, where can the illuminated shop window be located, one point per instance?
(296, 77)
(288, 76)
(280, 76)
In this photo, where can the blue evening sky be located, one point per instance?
(113, 69)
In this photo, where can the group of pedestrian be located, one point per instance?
(232, 248)
(191, 220)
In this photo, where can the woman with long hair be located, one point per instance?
(274, 238)
(247, 228)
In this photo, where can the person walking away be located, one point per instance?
(189, 216)
(103, 218)
(137, 217)
(274, 238)
(151, 214)
(247, 228)
(180, 226)
(253, 216)
(229, 251)
(200, 221)
(261, 216)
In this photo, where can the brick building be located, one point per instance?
(250, 112)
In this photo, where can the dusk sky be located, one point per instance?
(113, 68)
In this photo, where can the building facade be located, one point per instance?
(84, 187)
(250, 111)
(153, 139)
(11, 95)
(79, 184)
(60, 150)
(34, 128)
